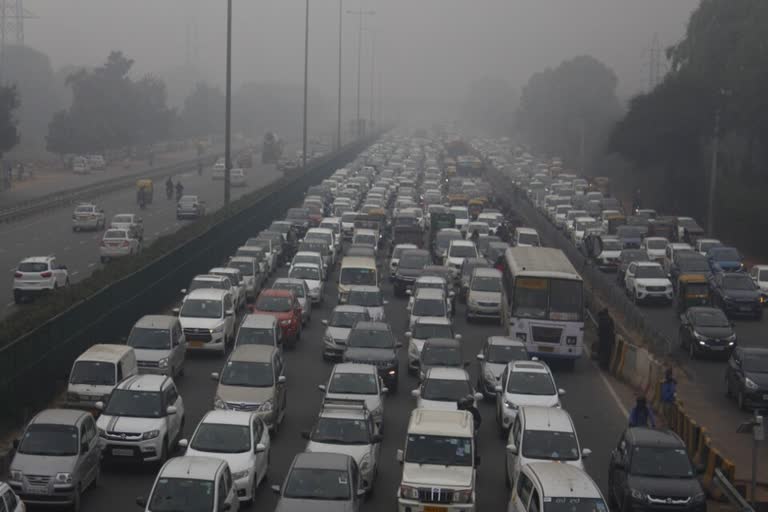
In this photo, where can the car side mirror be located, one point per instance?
(408, 334)
(99, 405)
(260, 448)
(324, 322)
(176, 310)
(409, 292)
(400, 456)
(230, 312)
(321, 387)
(305, 434)
(385, 302)
(480, 357)
(384, 390)
(560, 391)
(498, 389)
(276, 489)
(478, 396)
(171, 410)
(451, 294)
(215, 376)
(586, 452)
(183, 443)
(183, 291)
(141, 501)
(416, 393)
(282, 379)
(458, 336)
(512, 448)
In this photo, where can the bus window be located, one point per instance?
(531, 297)
(565, 302)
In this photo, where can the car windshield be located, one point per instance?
(273, 304)
(297, 289)
(341, 431)
(371, 338)
(33, 267)
(149, 338)
(611, 245)
(367, 298)
(245, 268)
(657, 244)
(436, 355)
(116, 234)
(570, 504)
(200, 308)
(531, 383)
(693, 264)
(650, 272)
(550, 445)
(84, 209)
(429, 307)
(424, 331)
(49, 440)
(307, 258)
(738, 282)
(294, 214)
(439, 450)
(414, 260)
(443, 240)
(187, 201)
(687, 223)
(358, 275)
(310, 273)
(347, 319)
(253, 336)
(725, 254)
(280, 227)
(710, 318)
(528, 239)
(348, 217)
(364, 240)
(462, 251)
(633, 255)
(486, 284)
(460, 213)
(221, 438)
(660, 462)
(248, 374)
(317, 484)
(502, 354)
(95, 373)
(755, 363)
(445, 390)
(353, 384)
(187, 494)
(216, 284)
(138, 404)
(122, 219)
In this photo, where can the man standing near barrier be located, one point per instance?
(668, 393)
(641, 415)
(606, 335)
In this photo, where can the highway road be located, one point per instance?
(51, 232)
(598, 419)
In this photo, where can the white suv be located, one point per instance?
(439, 462)
(646, 280)
(37, 275)
(524, 383)
(88, 216)
(143, 419)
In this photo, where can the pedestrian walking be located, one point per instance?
(668, 395)
(606, 335)
(641, 415)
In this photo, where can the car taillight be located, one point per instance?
(18, 275)
(125, 243)
(46, 274)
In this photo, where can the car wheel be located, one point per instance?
(740, 401)
(76, 503)
(728, 393)
(692, 350)
(97, 476)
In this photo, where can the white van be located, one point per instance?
(159, 344)
(526, 237)
(356, 271)
(96, 373)
(543, 483)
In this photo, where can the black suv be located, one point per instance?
(374, 343)
(650, 470)
(412, 262)
(746, 377)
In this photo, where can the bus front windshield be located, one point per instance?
(548, 299)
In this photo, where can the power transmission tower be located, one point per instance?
(12, 16)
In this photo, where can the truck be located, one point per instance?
(271, 149)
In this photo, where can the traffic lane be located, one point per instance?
(52, 232)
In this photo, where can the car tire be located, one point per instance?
(97, 478)
(18, 298)
(76, 501)
(728, 393)
(692, 351)
(740, 401)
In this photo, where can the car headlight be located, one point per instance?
(472, 302)
(63, 478)
(16, 475)
(699, 337)
(521, 336)
(285, 322)
(237, 475)
(151, 434)
(638, 495)
(409, 493)
(102, 432)
(749, 383)
(163, 363)
(217, 329)
(699, 498)
(218, 403)
(570, 340)
(266, 406)
(510, 405)
(365, 463)
(328, 339)
(462, 496)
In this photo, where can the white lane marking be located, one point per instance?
(156, 233)
(611, 390)
(12, 269)
(91, 265)
(9, 304)
(67, 248)
(75, 273)
(83, 241)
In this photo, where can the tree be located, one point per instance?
(573, 104)
(9, 103)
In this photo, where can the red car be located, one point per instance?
(284, 306)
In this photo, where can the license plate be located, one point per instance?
(545, 348)
(717, 348)
(38, 490)
(196, 344)
(434, 509)
(119, 452)
(745, 308)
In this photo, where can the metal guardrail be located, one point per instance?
(65, 197)
(731, 493)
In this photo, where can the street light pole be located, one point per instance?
(338, 112)
(306, 85)
(228, 120)
(360, 13)
(724, 93)
(373, 74)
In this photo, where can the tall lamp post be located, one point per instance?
(228, 115)
(360, 13)
(306, 85)
(338, 112)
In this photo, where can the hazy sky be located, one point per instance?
(424, 48)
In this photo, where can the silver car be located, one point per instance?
(497, 352)
(57, 458)
(369, 297)
(485, 296)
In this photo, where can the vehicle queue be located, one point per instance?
(238, 310)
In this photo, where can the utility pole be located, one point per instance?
(380, 100)
(338, 111)
(713, 170)
(228, 120)
(12, 16)
(372, 100)
(360, 13)
(306, 85)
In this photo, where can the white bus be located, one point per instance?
(546, 302)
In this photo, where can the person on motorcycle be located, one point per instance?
(169, 187)
(179, 190)
(141, 198)
(468, 404)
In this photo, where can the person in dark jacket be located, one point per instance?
(468, 404)
(606, 335)
(668, 394)
(641, 415)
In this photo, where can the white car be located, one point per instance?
(237, 178)
(655, 247)
(129, 221)
(239, 286)
(142, 420)
(580, 227)
(251, 272)
(88, 216)
(462, 216)
(423, 329)
(208, 319)
(241, 439)
(369, 297)
(312, 274)
(118, 243)
(524, 383)
(97, 162)
(12, 502)
(759, 274)
(428, 302)
(703, 245)
(646, 280)
(218, 169)
(81, 166)
(443, 387)
(314, 258)
(348, 427)
(38, 274)
(458, 251)
(430, 282)
(354, 381)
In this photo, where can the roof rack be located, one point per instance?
(344, 403)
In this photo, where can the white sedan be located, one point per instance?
(117, 243)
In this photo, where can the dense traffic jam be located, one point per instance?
(409, 211)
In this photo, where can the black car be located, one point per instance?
(443, 352)
(412, 262)
(650, 470)
(736, 294)
(686, 262)
(374, 343)
(706, 330)
(299, 217)
(626, 257)
(746, 377)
